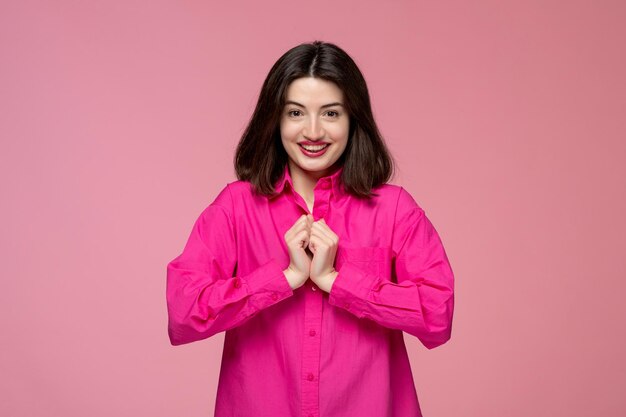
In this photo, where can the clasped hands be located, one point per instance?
(312, 248)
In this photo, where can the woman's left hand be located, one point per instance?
(323, 243)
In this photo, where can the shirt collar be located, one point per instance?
(334, 179)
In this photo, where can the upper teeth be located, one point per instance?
(314, 148)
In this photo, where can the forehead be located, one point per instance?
(313, 90)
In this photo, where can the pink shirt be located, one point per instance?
(307, 352)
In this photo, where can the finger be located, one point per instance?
(329, 232)
(304, 219)
(322, 238)
(303, 239)
(303, 223)
(323, 229)
(298, 226)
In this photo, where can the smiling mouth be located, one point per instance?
(315, 148)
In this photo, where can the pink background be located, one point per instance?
(119, 120)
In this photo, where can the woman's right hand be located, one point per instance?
(297, 239)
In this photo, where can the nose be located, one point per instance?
(313, 129)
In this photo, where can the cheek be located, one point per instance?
(339, 131)
(288, 130)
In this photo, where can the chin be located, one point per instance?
(317, 167)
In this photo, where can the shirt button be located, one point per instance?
(236, 283)
(313, 288)
(311, 332)
(310, 376)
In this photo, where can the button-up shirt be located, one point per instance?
(306, 352)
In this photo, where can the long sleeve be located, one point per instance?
(421, 303)
(204, 294)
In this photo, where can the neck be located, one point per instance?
(304, 181)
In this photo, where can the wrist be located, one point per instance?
(293, 278)
(325, 282)
(333, 277)
(289, 276)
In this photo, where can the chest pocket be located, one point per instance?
(375, 260)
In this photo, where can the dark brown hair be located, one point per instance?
(260, 156)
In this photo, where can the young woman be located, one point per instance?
(311, 262)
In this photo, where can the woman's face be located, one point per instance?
(314, 116)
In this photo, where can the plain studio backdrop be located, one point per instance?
(119, 120)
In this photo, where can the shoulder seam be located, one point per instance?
(420, 217)
(395, 215)
(232, 207)
(225, 210)
(417, 208)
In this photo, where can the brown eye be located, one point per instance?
(291, 112)
(333, 113)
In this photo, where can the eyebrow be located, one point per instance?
(324, 106)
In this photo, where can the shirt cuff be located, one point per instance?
(267, 285)
(351, 288)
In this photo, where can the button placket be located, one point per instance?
(313, 306)
(321, 202)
